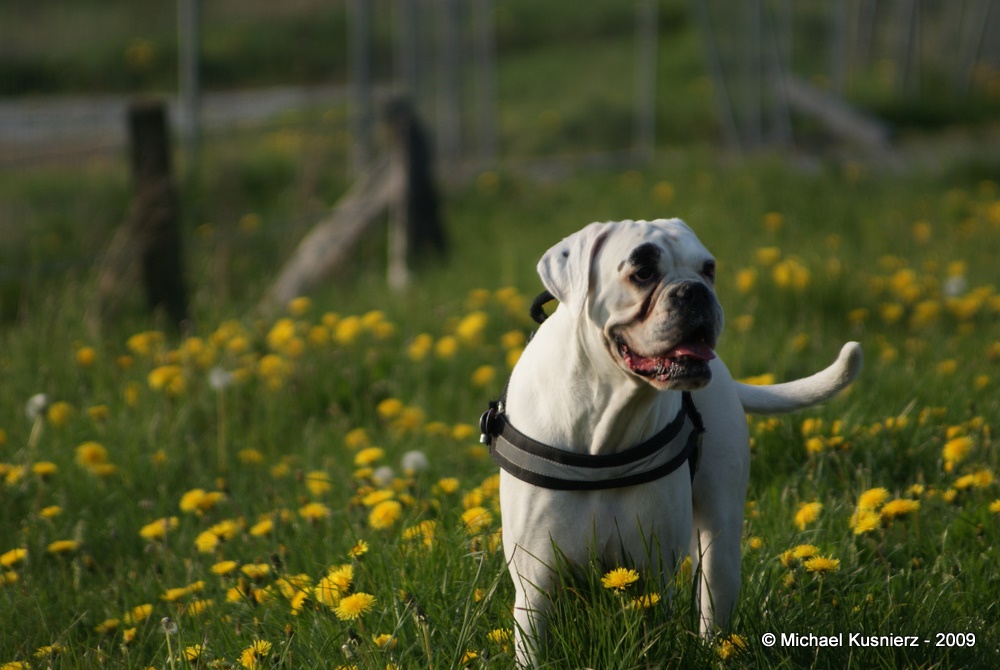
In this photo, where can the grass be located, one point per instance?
(848, 255)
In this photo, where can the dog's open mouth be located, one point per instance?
(684, 361)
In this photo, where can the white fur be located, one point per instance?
(568, 390)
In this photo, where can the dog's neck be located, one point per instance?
(552, 399)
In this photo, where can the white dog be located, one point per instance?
(597, 433)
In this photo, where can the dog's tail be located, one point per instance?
(802, 393)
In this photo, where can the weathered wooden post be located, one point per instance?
(416, 226)
(147, 245)
(401, 183)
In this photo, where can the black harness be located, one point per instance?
(553, 468)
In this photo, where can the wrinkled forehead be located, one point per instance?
(663, 243)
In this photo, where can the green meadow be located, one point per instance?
(305, 488)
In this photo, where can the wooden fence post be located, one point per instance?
(147, 245)
(401, 182)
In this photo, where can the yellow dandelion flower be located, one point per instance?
(341, 577)
(410, 418)
(358, 550)
(872, 499)
(807, 514)
(423, 531)
(354, 606)
(169, 378)
(347, 330)
(63, 547)
(85, 356)
(91, 454)
(357, 438)
(982, 479)
(256, 571)
(99, 412)
(463, 431)
(767, 256)
(13, 557)
(198, 501)
(250, 456)
(315, 511)
(483, 376)
(158, 529)
(865, 520)
(59, 413)
(746, 280)
(255, 656)
(446, 347)
(375, 497)
(262, 528)
(384, 641)
(956, 449)
(899, 507)
(299, 306)
(804, 551)
(368, 455)
(193, 653)
(298, 601)
(815, 445)
(470, 328)
(648, 601)
(224, 567)
(318, 482)
(730, 646)
(326, 592)
(446, 485)
(476, 519)
(759, 380)
(137, 614)
(821, 565)
(501, 637)
(995, 507)
(389, 408)
(385, 514)
(107, 626)
(420, 347)
(773, 221)
(619, 579)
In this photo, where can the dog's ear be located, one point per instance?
(565, 268)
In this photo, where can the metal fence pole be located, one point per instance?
(362, 121)
(189, 40)
(449, 124)
(486, 80)
(646, 32)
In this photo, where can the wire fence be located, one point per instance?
(459, 61)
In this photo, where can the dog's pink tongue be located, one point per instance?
(698, 350)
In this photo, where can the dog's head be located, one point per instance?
(647, 288)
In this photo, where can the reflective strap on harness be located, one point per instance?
(552, 468)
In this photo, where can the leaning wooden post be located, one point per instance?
(147, 245)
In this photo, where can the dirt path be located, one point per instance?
(41, 128)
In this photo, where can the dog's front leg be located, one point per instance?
(715, 564)
(532, 601)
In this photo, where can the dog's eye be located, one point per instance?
(708, 270)
(643, 275)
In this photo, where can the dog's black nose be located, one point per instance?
(691, 295)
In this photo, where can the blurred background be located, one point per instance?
(275, 109)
